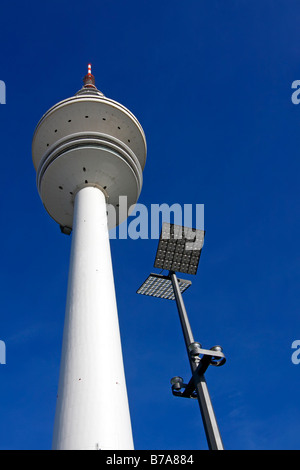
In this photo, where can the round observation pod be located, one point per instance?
(88, 140)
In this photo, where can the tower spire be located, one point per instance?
(89, 79)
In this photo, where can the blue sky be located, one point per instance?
(210, 83)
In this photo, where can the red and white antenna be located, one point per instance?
(89, 79)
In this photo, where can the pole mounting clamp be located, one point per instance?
(205, 358)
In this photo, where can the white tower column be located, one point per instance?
(92, 407)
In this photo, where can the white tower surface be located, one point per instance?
(89, 150)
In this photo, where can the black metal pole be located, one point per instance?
(212, 432)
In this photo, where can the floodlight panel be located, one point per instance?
(160, 286)
(179, 248)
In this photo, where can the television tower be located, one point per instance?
(89, 150)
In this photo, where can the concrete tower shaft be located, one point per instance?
(92, 409)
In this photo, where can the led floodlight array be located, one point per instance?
(179, 248)
(160, 286)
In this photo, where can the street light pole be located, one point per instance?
(198, 381)
(174, 253)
